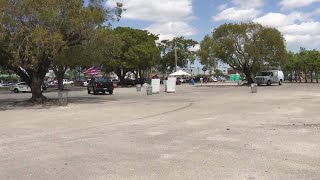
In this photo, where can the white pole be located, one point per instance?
(176, 55)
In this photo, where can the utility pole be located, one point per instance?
(176, 55)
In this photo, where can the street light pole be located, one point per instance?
(175, 55)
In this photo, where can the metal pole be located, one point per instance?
(176, 55)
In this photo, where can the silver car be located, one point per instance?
(20, 87)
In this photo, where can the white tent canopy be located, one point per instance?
(180, 73)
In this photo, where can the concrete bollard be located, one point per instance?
(138, 86)
(149, 90)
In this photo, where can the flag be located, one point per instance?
(95, 70)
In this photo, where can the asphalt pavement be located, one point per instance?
(213, 132)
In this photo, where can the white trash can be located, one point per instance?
(254, 88)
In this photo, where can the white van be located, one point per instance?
(270, 77)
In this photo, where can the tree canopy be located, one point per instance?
(35, 32)
(249, 47)
(304, 61)
(135, 51)
(206, 53)
(185, 55)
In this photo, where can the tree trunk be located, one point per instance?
(36, 87)
(311, 76)
(60, 81)
(120, 75)
(248, 76)
(59, 72)
(305, 76)
(317, 77)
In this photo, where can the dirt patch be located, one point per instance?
(314, 126)
(49, 103)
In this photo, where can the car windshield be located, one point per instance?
(264, 73)
(102, 80)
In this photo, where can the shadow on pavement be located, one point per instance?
(15, 103)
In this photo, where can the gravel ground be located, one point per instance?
(209, 132)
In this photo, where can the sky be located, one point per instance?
(297, 20)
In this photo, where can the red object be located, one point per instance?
(95, 70)
(99, 85)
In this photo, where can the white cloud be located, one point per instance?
(298, 29)
(248, 3)
(169, 30)
(239, 11)
(307, 41)
(273, 20)
(169, 18)
(157, 10)
(306, 28)
(293, 4)
(235, 14)
(279, 19)
(195, 48)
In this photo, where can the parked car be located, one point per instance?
(143, 81)
(214, 79)
(128, 82)
(178, 81)
(290, 77)
(52, 83)
(20, 87)
(85, 83)
(24, 87)
(270, 77)
(4, 85)
(67, 82)
(100, 84)
(45, 86)
(115, 82)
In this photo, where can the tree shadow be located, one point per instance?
(23, 103)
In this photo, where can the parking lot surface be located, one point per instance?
(209, 132)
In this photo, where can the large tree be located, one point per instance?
(308, 61)
(184, 53)
(34, 33)
(249, 47)
(290, 65)
(134, 51)
(89, 53)
(206, 53)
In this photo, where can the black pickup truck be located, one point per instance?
(100, 84)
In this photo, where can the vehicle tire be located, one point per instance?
(259, 84)
(269, 83)
(16, 90)
(111, 92)
(280, 82)
(23, 92)
(103, 92)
